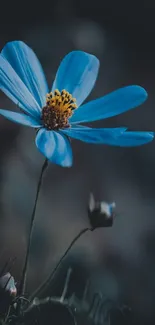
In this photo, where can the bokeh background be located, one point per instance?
(122, 35)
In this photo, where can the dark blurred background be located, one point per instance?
(122, 35)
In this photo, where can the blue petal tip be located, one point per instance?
(141, 90)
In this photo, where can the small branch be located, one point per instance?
(45, 284)
(7, 315)
(86, 290)
(66, 285)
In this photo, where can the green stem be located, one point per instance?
(48, 281)
(24, 273)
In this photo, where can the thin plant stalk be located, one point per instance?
(32, 222)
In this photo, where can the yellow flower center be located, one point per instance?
(59, 108)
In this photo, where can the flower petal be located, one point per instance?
(133, 138)
(26, 64)
(117, 102)
(77, 74)
(55, 147)
(111, 136)
(98, 136)
(15, 89)
(20, 118)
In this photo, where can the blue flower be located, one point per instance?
(56, 115)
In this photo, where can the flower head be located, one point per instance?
(56, 113)
(58, 109)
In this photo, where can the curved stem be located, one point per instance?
(24, 273)
(45, 284)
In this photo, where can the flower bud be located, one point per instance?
(100, 214)
(7, 285)
(8, 292)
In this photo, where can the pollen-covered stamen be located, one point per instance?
(59, 108)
